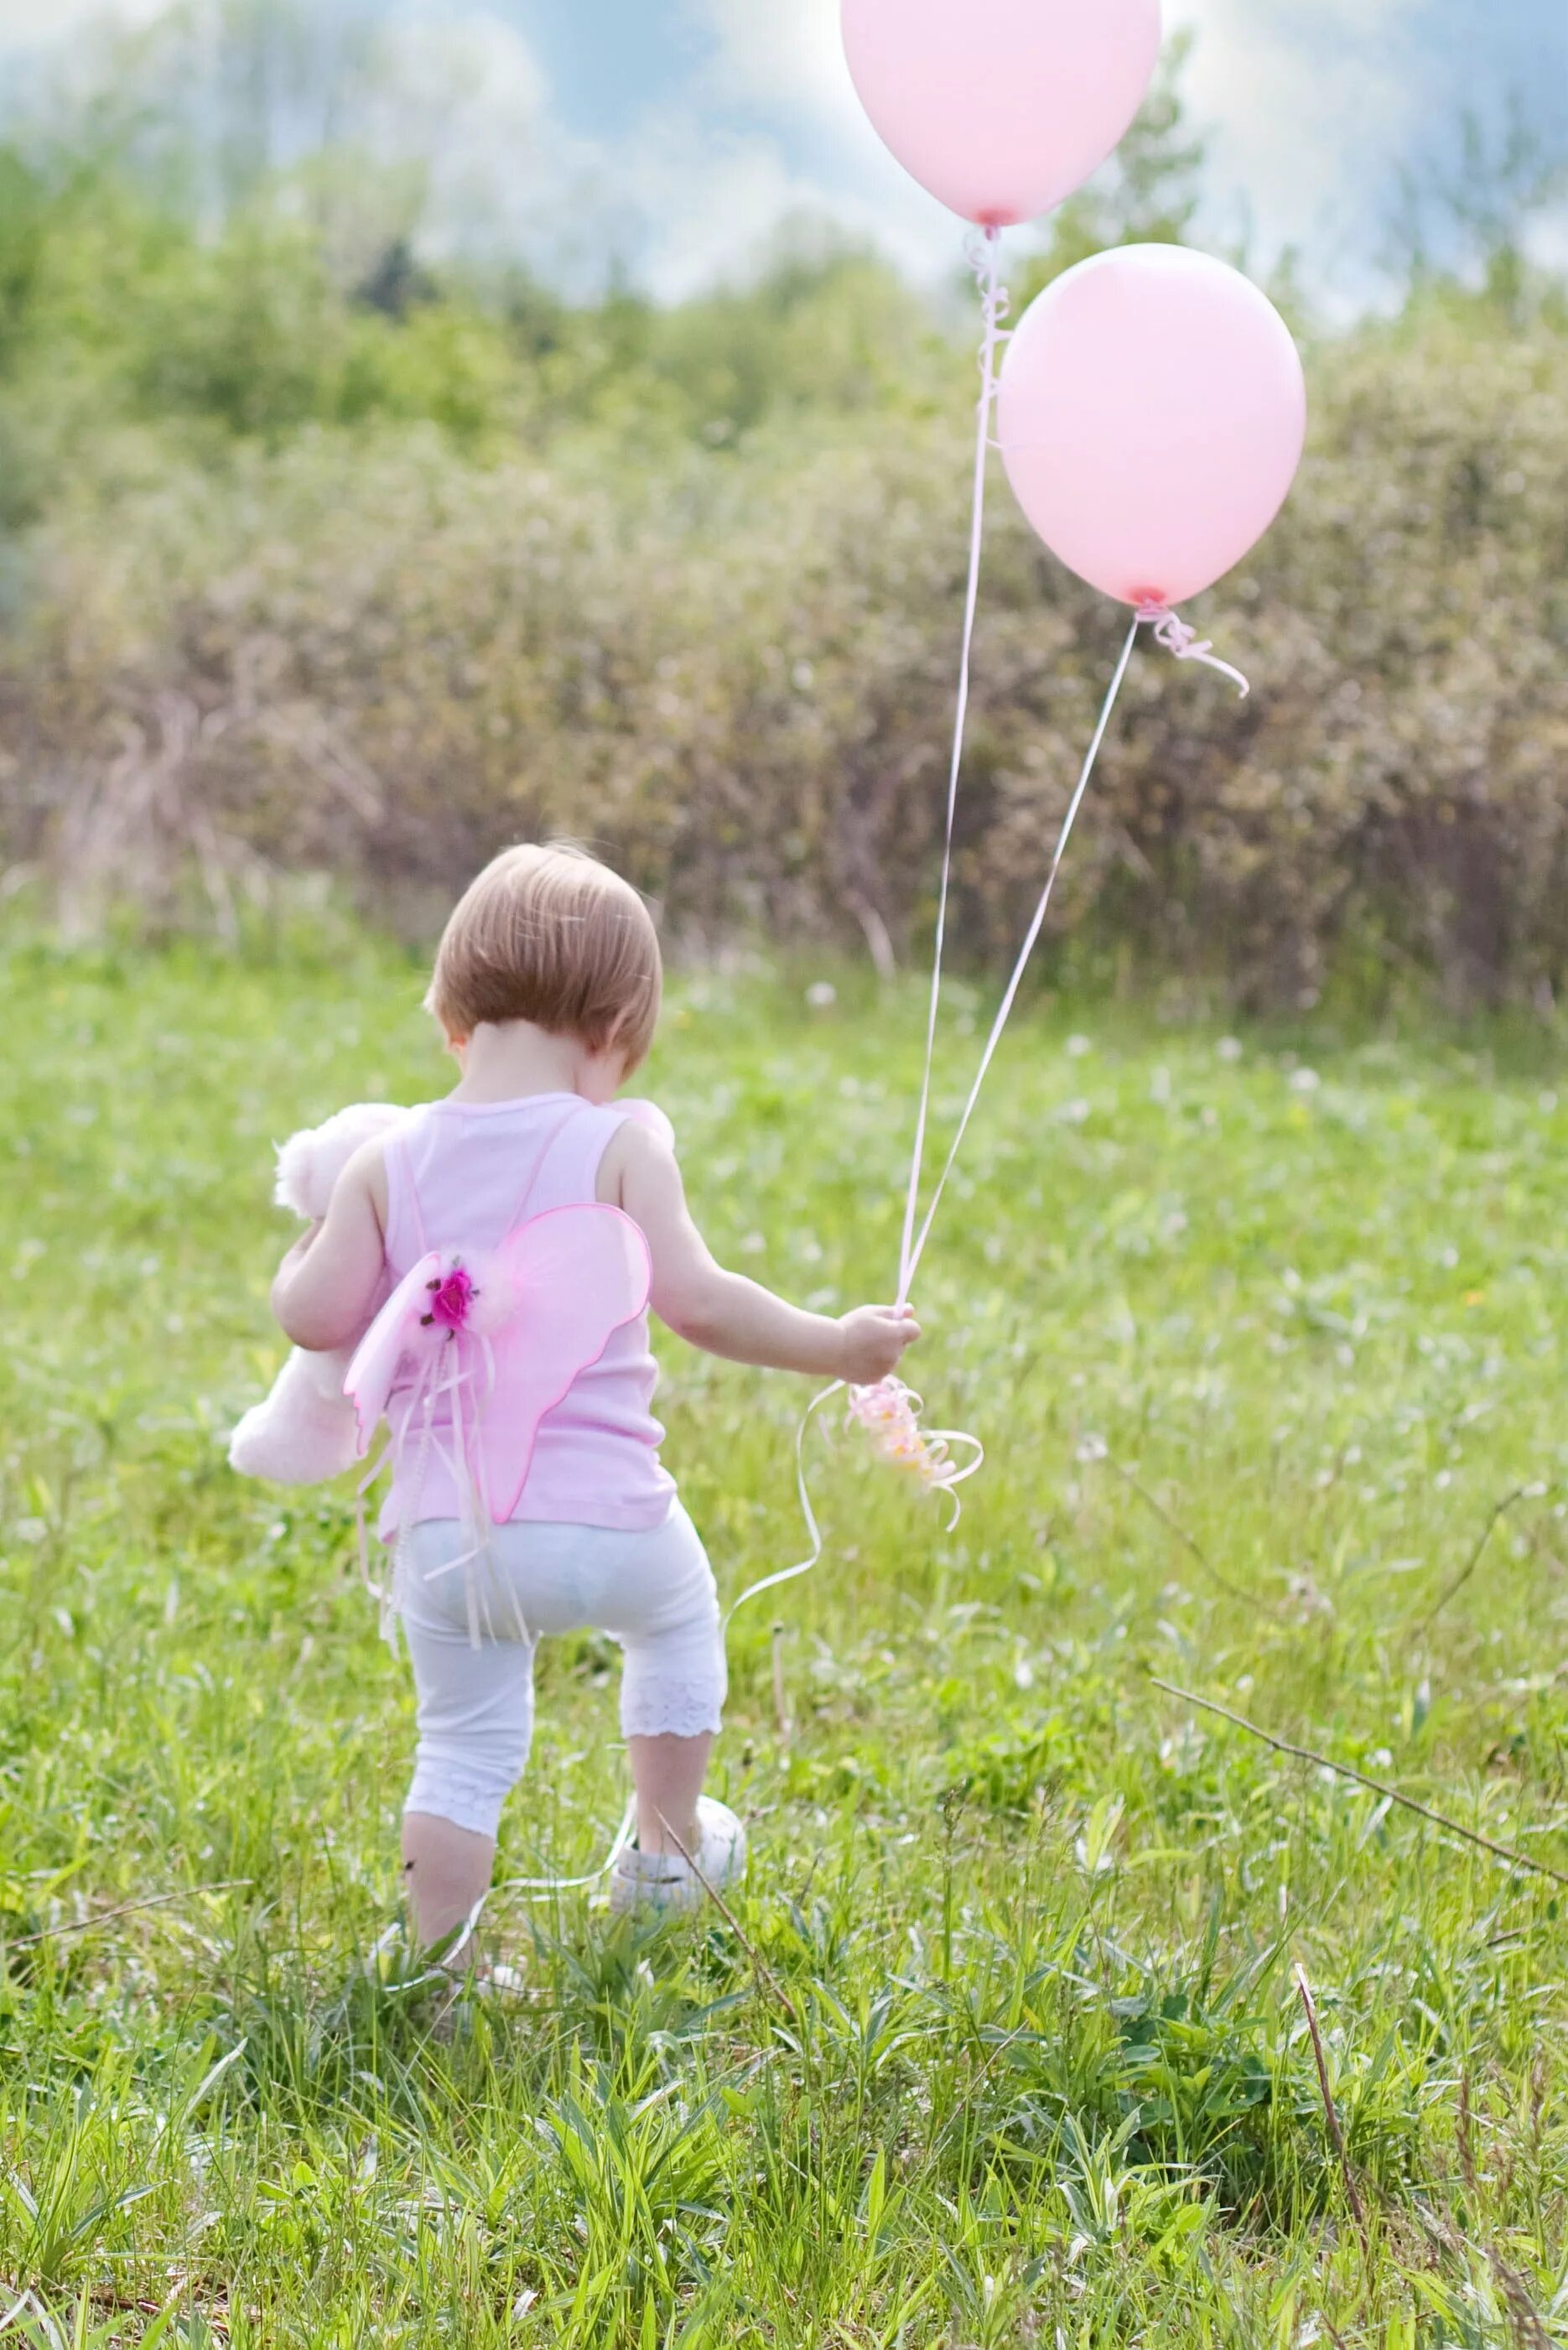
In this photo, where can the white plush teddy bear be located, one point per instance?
(305, 1432)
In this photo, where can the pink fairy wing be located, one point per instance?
(391, 1337)
(576, 1276)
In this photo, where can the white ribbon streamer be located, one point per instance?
(1031, 936)
(986, 262)
(813, 1531)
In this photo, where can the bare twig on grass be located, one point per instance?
(1464, 2140)
(1515, 1858)
(764, 1972)
(1335, 2133)
(108, 2297)
(1452, 1590)
(125, 1910)
(1188, 1542)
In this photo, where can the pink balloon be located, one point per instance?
(1002, 107)
(1152, 415)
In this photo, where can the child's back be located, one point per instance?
(464, 1175)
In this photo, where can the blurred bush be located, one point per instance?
(375, 655)
(367, 577)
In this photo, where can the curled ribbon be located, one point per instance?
(1178, 638)
(890, 1414)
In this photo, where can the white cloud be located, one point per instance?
(474, 69)
(1546, 239)
(780, 57)
(1292, 120)
(681, 198)
(465, 100)
(701, 208)
(708, 204)
(768, 127)
(782, 62)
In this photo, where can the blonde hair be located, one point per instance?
(550, 935)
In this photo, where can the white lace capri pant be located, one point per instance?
(651, 1591)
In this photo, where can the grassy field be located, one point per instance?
(1009, 2049)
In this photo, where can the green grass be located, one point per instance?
(1011, 2051)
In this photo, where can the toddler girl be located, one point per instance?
(547, 986)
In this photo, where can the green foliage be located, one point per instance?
(1044, 2069)
(323, 558)
(128, 317)
(21, 248)
(824, 330)
(115, 310)
(370, 655)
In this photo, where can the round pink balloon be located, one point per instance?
(1002, 107)
(1152, 416)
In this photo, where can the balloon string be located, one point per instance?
(1027, 950)
(986, 262)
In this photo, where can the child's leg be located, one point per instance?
(672, 1688)
(668, 1774)
(447, 1870)
(475, 1726)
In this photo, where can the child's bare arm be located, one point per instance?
(326, 1285)
(723, 1312)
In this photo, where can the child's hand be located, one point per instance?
(872, 1339)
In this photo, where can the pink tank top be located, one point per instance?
(462, 1175)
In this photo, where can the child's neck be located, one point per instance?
(509, 1062)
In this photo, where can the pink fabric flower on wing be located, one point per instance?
(451, 1300)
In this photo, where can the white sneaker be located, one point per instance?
(664, 1881)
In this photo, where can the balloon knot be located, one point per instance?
(982, 252)
(1178, 638)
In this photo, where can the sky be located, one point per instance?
(679, 133)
